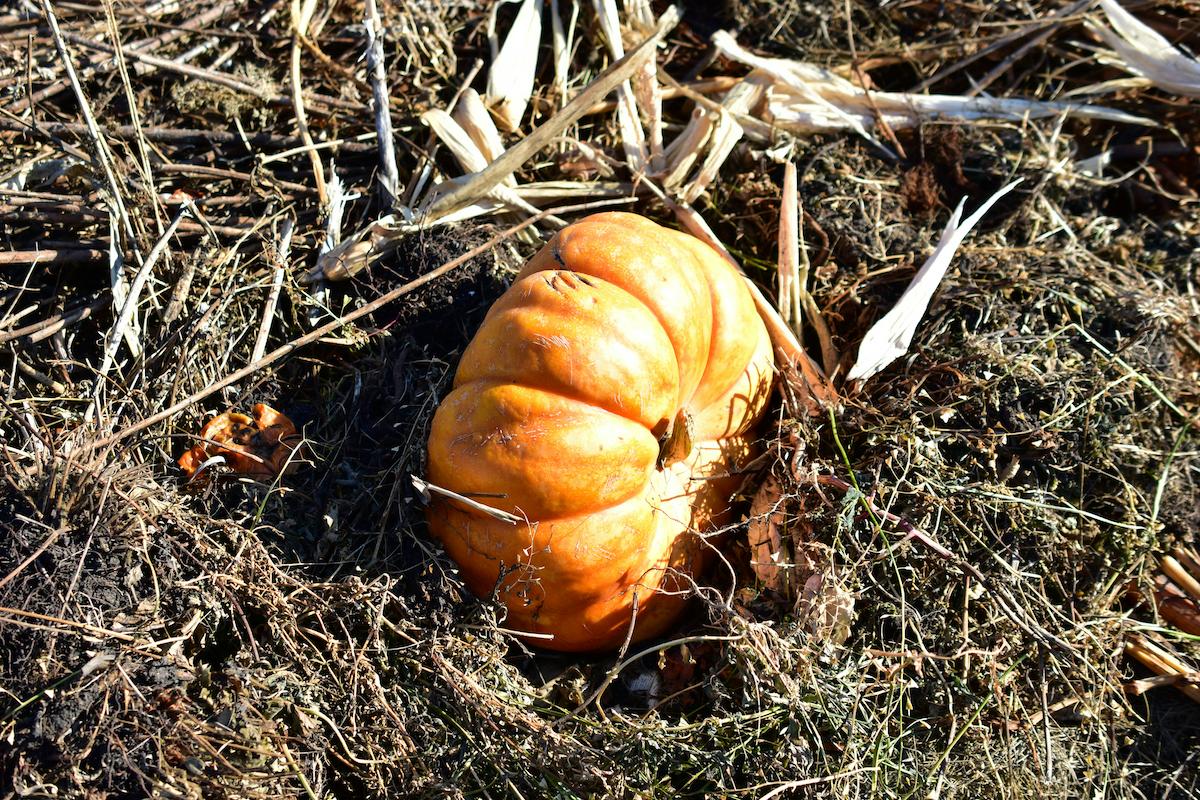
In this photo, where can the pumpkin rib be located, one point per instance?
(486, 455)
(759, 374)
(568, 396)
(729, 301)
(609, 340)
(645, 273)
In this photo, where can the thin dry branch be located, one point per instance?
(302, 12)
(281, 259)
(129, 306)
(380, 104)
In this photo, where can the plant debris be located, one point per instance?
(928, 593)
(1146, 53)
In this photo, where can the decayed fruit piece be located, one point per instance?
(260, 447)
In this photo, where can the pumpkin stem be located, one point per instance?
(676, 442)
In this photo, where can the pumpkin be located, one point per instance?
(607, 401)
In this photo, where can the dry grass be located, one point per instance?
(307, 639)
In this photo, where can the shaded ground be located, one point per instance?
(308, 638)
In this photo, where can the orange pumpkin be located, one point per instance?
(607, 400)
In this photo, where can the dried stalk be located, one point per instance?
(113, 340)
(483, 182)
(562, 47)
(633, 138)
(301, 16)
(367, 245)
(281, 258)
(1164, 663)
(1181, 577)
(788, 264)
(425, 488)
(380, 104)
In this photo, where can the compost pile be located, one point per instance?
(986, 515)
